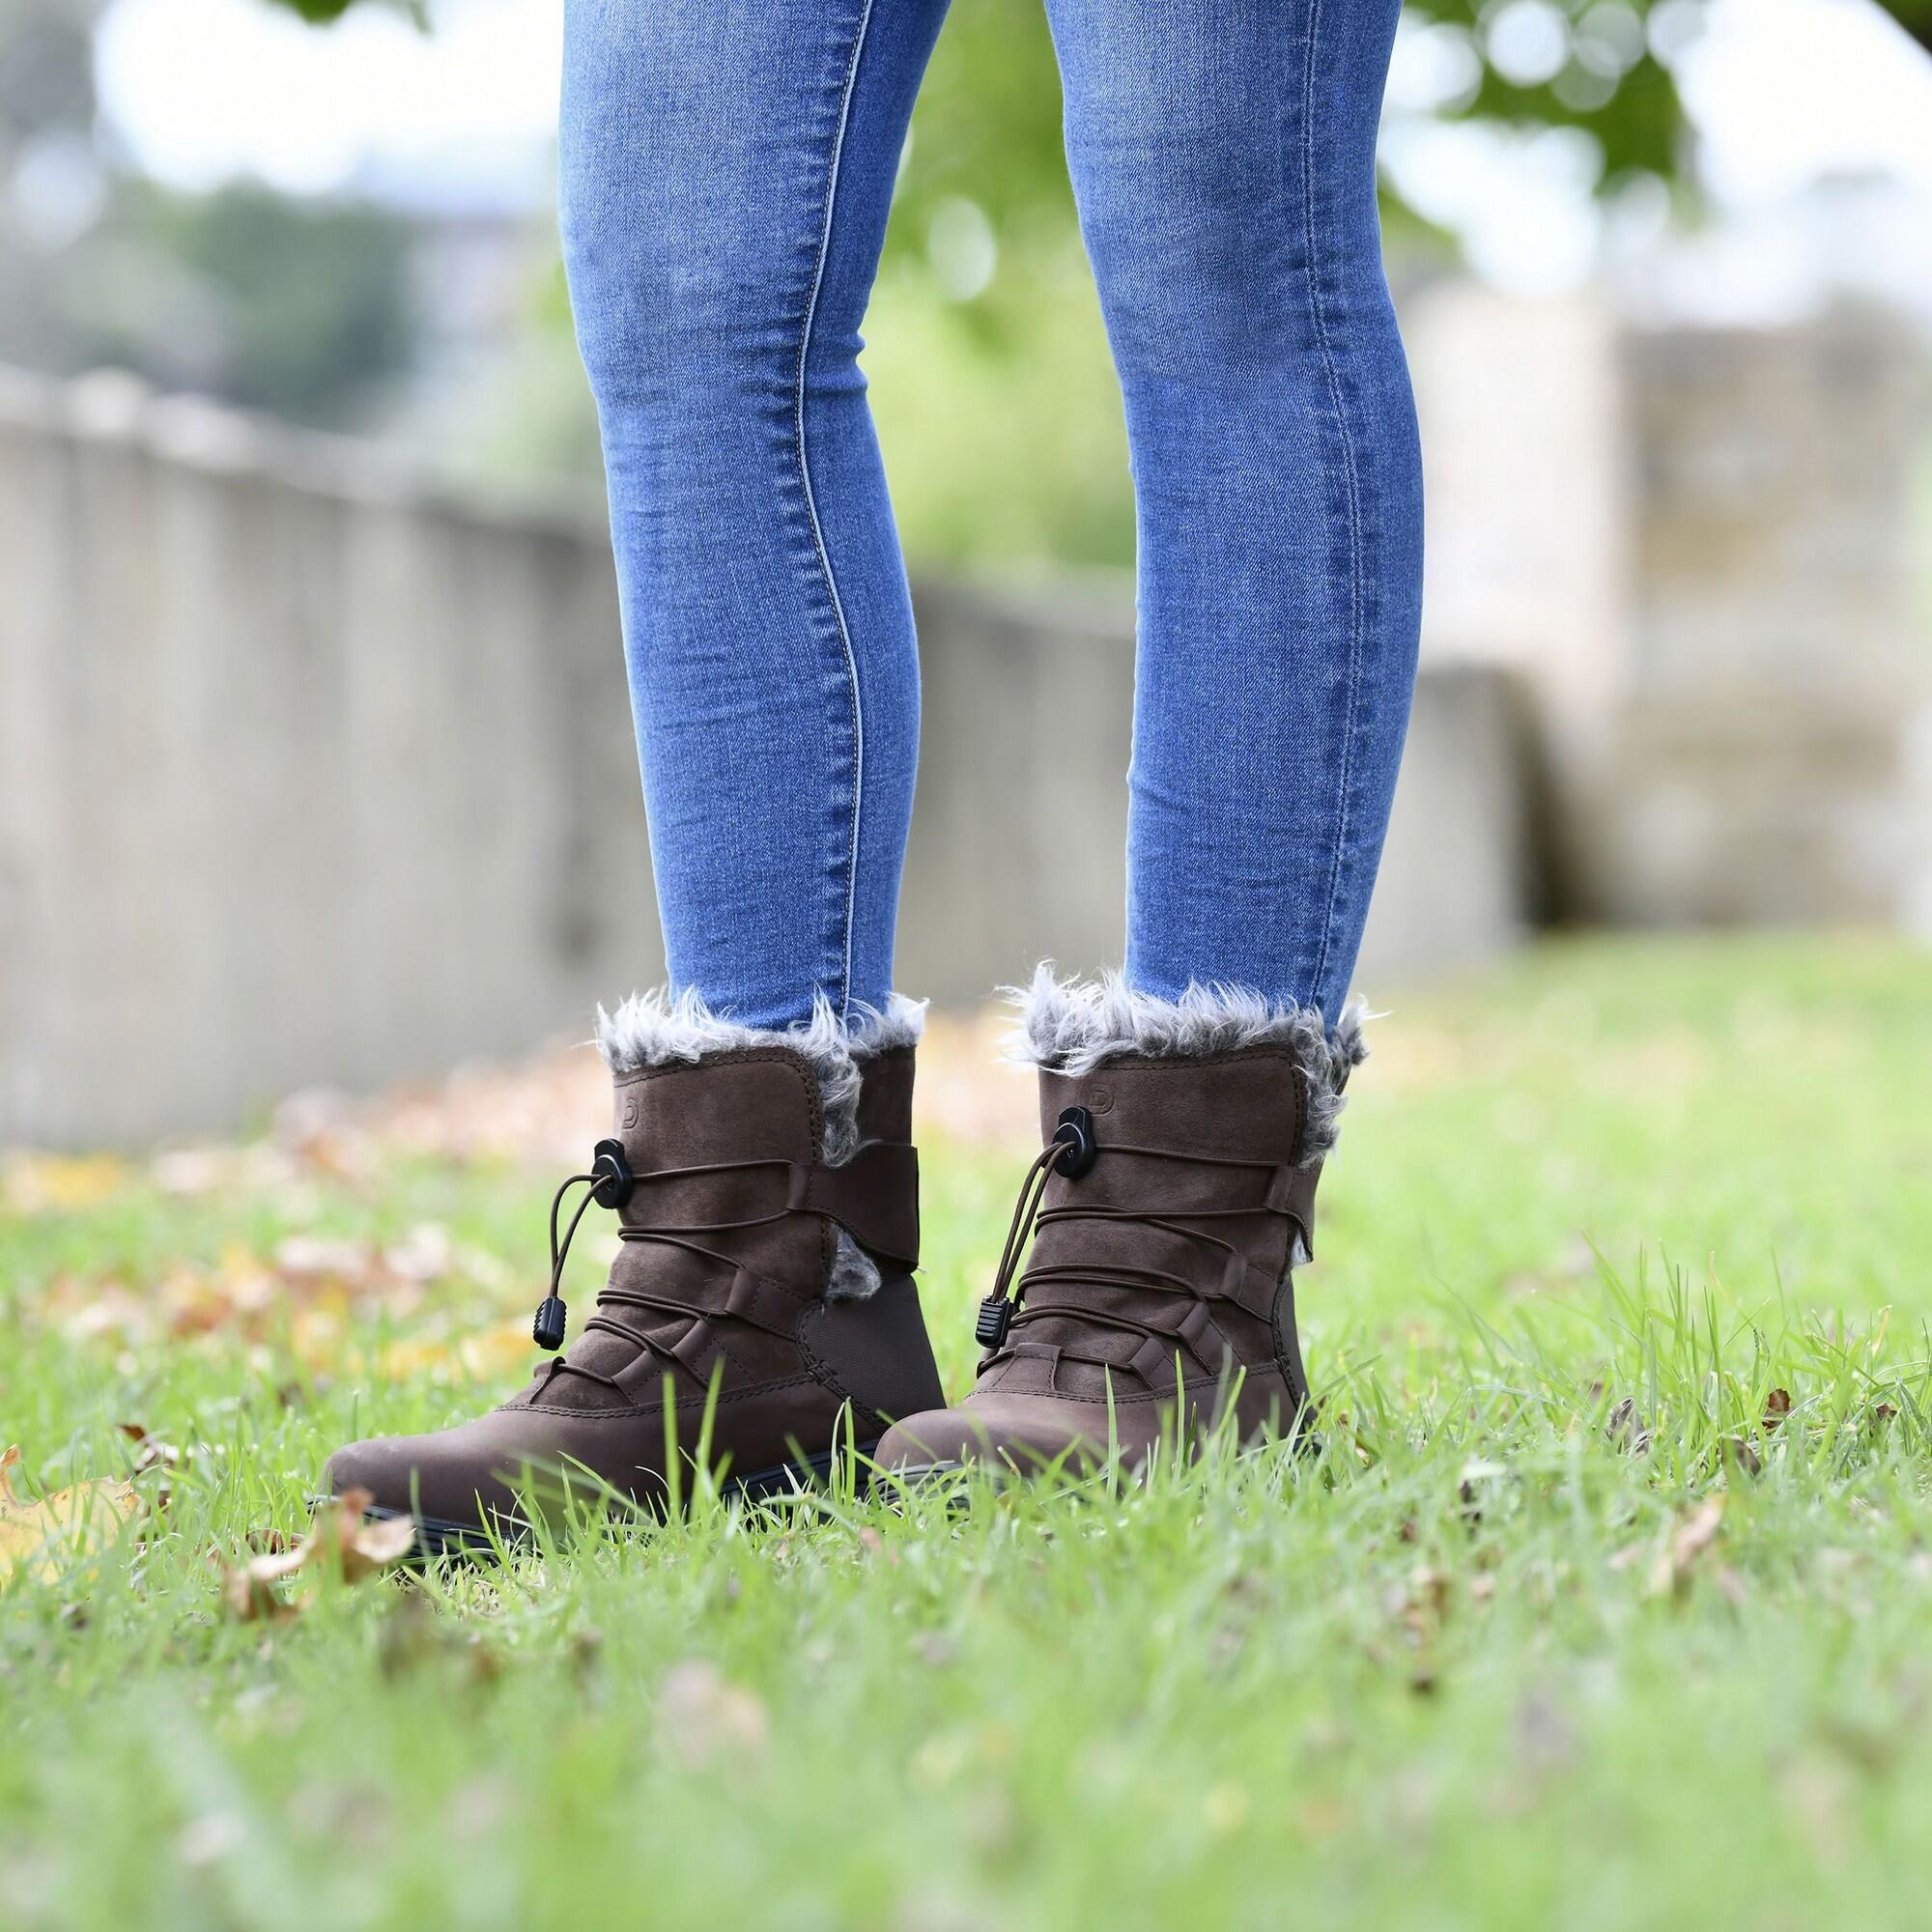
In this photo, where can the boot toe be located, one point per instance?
(437, 1479)
(373, 1465)
(1010, 1435)
(925, 1444)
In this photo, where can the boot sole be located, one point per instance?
(437, 1538)
(998, 1471)
(910, 1476)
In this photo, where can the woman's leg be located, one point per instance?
(1223, 157)
(725, 177)
(726, 167)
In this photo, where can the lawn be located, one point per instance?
(1607, 1601)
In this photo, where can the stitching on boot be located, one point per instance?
(822, 1370)
(694, 1405)
(1072, 1026)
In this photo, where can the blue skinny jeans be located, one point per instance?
(726, 167)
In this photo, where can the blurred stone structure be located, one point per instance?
(1707, 551)
(308, 777)
(1773, 754)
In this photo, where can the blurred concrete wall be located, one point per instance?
(1706, 551)
(307, 777)
(1019, 831)
(1772, 756)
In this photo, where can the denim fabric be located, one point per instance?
(726, 170)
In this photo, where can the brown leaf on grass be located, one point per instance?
(1421, 1605)
(703, 1715)
(340, 1546)
(875, 1545)
(481, 1354)
(1626, 1428)
(155, 1463)
(151, 1452)
(59, 1183)
(45, 1538)
(1689, 1540)
(1478, 1480)
(1741, 1453)
(318, 1288)
(1429, 1592)
(413, 1638)
(1777, 1407)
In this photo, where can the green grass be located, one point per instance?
(1480, 1663)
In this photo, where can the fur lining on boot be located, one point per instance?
(653, 1030)
(1073, 1026)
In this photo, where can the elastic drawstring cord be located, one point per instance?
(610, 1182)
(1070, 1152)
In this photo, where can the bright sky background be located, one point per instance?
(205, 89)
(202, 90)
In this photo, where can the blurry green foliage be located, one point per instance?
(325, 13)
(1914, 16)
(991, 380)
(1588, 64)
(300, 308)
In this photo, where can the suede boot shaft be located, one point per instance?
(759, 1280)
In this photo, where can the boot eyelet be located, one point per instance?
(610, 1177)
(1075, 1133)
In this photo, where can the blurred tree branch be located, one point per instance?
(1608, 83)
(1915, 18)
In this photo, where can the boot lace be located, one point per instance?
(611, 1183)
(1072, 1152)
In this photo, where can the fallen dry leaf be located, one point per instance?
(704, 1716)
(57, 1184)
(1626, 1428)
(876, 1545)
(1777, 1407)
(481, 1354)
(339, 1546)
(1741, 1453)
(45, 1538)
(413, 1638)
(314, 1289)
(156, 1465)
(1693, 1535)
(151, 1452)
(1423, 1603)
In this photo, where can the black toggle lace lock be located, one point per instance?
(610, 1177)
(996, 1316)
(1075, 1133)
(547, 1331)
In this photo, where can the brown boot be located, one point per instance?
(767, 1195)
(1173, 1197)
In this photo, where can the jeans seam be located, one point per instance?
(810, 502)
(1327, 352)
